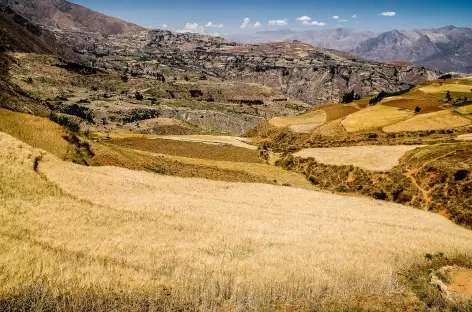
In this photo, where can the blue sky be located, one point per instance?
(227, 17)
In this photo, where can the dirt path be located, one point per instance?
(462, 283)
(375, 158)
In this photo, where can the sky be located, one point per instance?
(222, 17)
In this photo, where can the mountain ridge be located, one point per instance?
(445, 48)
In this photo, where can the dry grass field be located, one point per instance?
(426, 105)
(212, 139)
(308, 122)
(302, 123)
(339, 111)
(465, 110)
(438, 87)
(190, 149)
(36, 131)
(374, 158)
(432, 121)
(105, 238)
(375, 117)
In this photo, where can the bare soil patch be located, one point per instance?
(462, 283)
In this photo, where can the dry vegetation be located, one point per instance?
(36, 131)
(375, 117)
(374, 158)
(102, 238)
(436, 178)
(190, 149)
(441, 120)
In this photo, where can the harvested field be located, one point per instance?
(331, 128)
(374, 158)
(211, 139)
(432, 121)
(375, 117)
(190, 149)
(105, 238)
(310, 120)
(444, 87)
(36, 131)
(427, 106)
(266, 173)
(114, 155)
(465, 110)
(339, 111)
(465, 137)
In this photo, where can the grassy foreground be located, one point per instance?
(77, 238)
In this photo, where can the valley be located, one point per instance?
(150, 170)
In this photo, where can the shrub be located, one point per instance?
(65, 122)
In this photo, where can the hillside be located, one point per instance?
(67, 16)
(299, 71)
(143, 239)
(20, 35)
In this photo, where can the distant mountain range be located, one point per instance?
(339, 39)
(448, 49)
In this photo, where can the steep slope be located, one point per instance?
(446, 49)
(20, 35)
(67, 16)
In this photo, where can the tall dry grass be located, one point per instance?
(78, 238)
(36, 131)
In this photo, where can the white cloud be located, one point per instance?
(165, 26)
(304, 18)
(343, 21)
(315, 23)
(210, 24)
(335, 17)
(354, 16)
(278, 22)
(388, 14)
(247, 23)
(193, 28)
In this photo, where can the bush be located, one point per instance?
(65, 122)
(350, 97)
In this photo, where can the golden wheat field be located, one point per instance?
(375, 158)
(431, 121)
(107, 239)
(375, 117)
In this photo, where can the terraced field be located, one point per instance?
(374, 158)
(441, 120)
(114, 238)
(375, 117)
